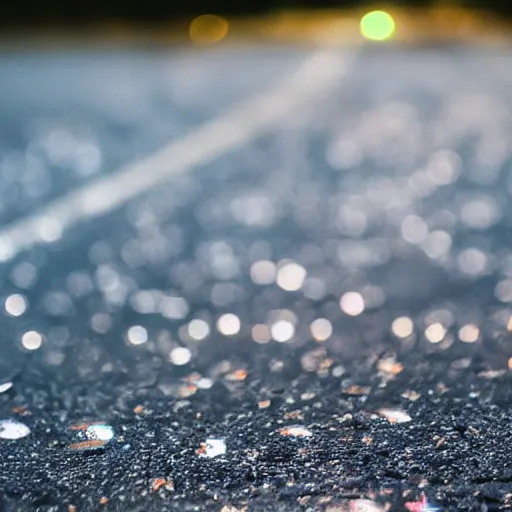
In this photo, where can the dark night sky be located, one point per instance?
(15, 14)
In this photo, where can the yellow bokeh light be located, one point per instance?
(377, 25)
(208, 29)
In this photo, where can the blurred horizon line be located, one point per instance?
(321, 26)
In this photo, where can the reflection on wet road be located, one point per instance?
(302, 301)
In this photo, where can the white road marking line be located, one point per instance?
(319, 74)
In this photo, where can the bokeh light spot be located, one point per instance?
(198, 329)
(31, 340)
(208, 29)
(261, 333)
(263, 272)
(180, 356)
(402, 327)
(377, 25)
(137, 335)
(15, 304)
(352, 303)
(435, 333)
(282, 331)
(228, 324)
(469, 333)
(290, 276)
(321, 329)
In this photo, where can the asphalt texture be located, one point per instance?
(382, 208)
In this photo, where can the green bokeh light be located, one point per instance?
(377, 25)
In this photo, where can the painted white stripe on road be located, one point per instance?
(317, 76)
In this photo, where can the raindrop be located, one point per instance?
(212, 448)
(395, 415)
(90, 436)
(5, 387)
(295, 431)
(11, 430)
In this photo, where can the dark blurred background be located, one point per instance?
(40, 14)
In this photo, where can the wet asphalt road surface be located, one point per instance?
(317, 317)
